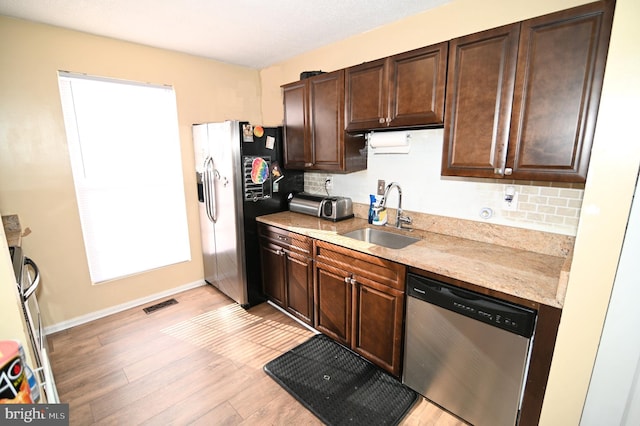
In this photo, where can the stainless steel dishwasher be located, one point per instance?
(466, 352)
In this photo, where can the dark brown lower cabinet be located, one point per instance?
(360, 303)
(287, 271)
(273, 272)
(378, 325)
(333, 303)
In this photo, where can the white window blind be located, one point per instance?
(125, 155)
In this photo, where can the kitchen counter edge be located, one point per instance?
(518, 275)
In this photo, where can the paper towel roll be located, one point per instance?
(389, 142)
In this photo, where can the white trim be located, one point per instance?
(119, 308)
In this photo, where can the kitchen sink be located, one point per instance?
(381, 238)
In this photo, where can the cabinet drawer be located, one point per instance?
(362, 265)
(290, 240)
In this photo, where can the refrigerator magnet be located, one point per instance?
(259, 170)
(270, 142)
(258, 131)
(276, 172)
(247, 133)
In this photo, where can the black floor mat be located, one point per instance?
(339, 386)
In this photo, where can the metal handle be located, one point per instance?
(350, 280)
(381, 120)
(282, 238)
(208, 184)
(36, 280)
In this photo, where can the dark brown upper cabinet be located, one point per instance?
(522, 100)
(480, 88)
(314, 126)
(404, 90)
(297, 145)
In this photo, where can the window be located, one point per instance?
(125, 155)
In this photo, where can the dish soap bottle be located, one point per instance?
(372, 202)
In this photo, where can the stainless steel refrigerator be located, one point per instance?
(240, 176)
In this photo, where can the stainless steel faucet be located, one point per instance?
(400, 218)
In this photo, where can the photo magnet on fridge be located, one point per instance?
(247, 133)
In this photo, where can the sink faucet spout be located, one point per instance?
(400, 218)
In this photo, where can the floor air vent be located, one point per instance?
(153, 308)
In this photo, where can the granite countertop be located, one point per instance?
(531, 276)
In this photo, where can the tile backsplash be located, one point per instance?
(543, 206)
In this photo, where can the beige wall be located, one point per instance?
(35, 176)
(605, 210)
(609, 188)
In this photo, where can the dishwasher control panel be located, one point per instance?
(507, 316)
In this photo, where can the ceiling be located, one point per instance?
(252, 33)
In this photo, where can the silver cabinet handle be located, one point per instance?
(506, 171)
(350, 280)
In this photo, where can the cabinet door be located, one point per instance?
(561, 62)
(333, 303)
(296, 148)
(299, 287)
(326, 114)
(480, 85)
(416, 86)
(377, 333)
(273, 272)
(366, 95)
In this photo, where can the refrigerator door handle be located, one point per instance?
(208, 182)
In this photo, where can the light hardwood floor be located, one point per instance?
(197, 362)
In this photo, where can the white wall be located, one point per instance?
(541, 206)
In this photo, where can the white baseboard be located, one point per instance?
(119, 308)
